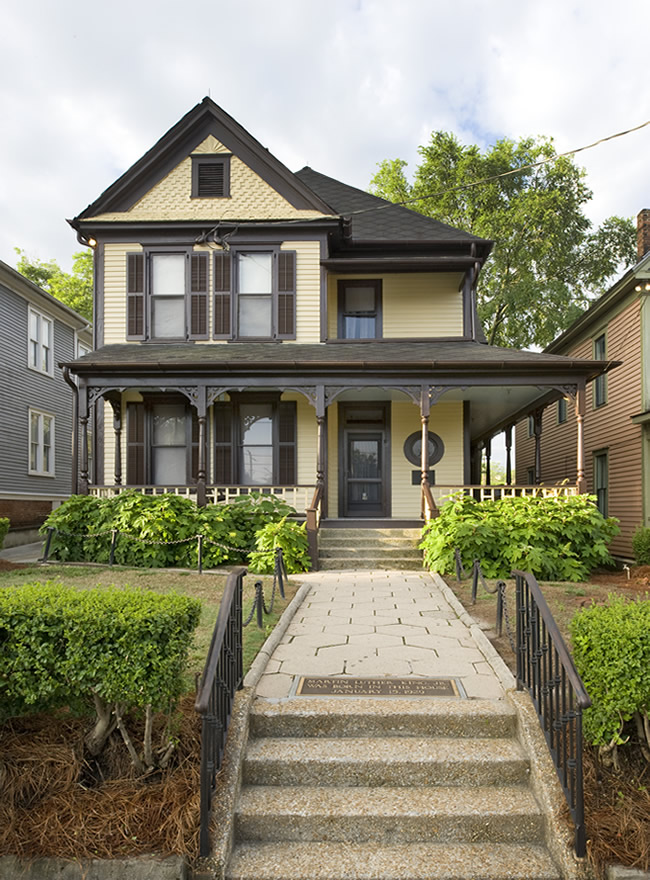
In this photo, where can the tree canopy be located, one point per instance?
(547, 261)
(75, 289)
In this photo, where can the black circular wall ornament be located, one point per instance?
(413, 448)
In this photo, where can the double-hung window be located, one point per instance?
(162, 442)
(41, 443)
(359, 309)
(601, 480)
(40, 342)
(167, 295)
(255, 294)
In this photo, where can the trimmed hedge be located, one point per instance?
(611, 648)
(554, 538)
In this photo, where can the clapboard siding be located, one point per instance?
(22, 389)
(606, 428)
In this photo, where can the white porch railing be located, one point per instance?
(442, 493)
(298, 497)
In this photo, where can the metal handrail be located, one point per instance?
(546, 670)
(222, 677)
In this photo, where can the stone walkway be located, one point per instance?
(383, 623)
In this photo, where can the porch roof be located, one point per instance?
(430, 361)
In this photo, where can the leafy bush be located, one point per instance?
(554, 538)
(4, 528)
(291, 537)
(160, 530)
(641, 545)
(611, 647)
(118, 651)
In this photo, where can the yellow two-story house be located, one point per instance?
(262, 329)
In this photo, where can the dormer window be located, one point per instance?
(210, 177)
(359, 309)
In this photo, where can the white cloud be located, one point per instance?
(337, 84)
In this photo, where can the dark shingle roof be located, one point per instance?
(380, 219)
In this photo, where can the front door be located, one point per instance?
(364, 471)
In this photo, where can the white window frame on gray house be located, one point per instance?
(41, 453)
(40, 330)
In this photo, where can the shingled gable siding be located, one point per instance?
(413, 304)
(606, 427)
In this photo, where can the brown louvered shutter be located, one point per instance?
(135, 296)
(135, 463)
(222, 296)
(287, 443)
(194, 472)
(287, 294)
(223, 441)
(199, 297)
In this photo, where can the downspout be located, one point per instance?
(75, 430)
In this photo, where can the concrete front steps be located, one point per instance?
(368, 548)
(350, 789)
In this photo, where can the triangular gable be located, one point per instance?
(205, 128)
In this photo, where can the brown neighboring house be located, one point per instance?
(617, 412)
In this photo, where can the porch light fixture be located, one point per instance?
(643, 288)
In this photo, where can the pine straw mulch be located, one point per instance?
(57, 802)
(617, 810)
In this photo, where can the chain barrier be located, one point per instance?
(502, 612)
(259, 603)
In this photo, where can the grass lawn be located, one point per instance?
(207, 587)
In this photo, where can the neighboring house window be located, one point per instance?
(601, 481)
(82, 349)
(255, 441)
(255, 294)
(210, 177)
(561, 411)
(531, 426)
(167, 296)
(600, 382)
(162, 443)
(40, 342)
(41, 443)
(359, 309)
(530, 476)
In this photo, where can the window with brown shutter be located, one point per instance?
(199, 297)
(135, 462)
(135, 296)
(222, 296)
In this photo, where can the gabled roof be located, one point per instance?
(375, 219)
(205, 119)
(13, 280)
(599, 308)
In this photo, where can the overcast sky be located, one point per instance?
(86, 89)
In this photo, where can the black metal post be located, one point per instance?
(46, 552)
(200, 552)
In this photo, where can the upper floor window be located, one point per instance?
(41, 443)
(210, 177)
(359, 309)
(600, 382)
(82, 348)
(601, 480)
(255, 294)
(167, 296)
(40, 342)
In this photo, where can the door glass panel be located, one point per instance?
(365, 493)
(364, 459)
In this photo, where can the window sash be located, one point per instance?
(40, 342)
(359, 309)
(41, 443)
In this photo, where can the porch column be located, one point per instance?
(427, 497)
(74, 488)
(537, 429)
(201, 413)
(83, 457)
(116, 406)
(580, 452)
(476, 452)
(509, 455)
(321, 450)
(487, 445)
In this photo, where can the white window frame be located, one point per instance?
(36, 363)
(38, 442)
(82, 348)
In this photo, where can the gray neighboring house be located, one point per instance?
(36, 332)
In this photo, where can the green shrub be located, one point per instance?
(114, 651)
(4, 528)
(160, 530)
(554, 538)
(641, 545)
(611, 648)
(291, 537)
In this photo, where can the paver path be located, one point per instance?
(381, 623)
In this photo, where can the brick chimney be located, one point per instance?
(643, 232)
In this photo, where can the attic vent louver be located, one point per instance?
(210, 177)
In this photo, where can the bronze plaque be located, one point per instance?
(347, 686)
